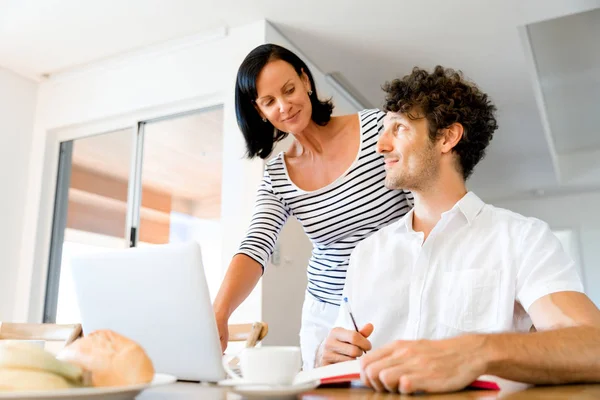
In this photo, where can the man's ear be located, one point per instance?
(452, 135)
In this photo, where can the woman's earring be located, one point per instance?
(310, 92)
(264, 120)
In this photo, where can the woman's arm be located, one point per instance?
(242, 276)
(246, 267)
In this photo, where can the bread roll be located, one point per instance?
(110, 358)
(14, 380)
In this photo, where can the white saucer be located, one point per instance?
(231, 382)
(262, 391)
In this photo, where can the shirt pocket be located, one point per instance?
(470, 299)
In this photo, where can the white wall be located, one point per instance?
(284, 284)
(154, 84)
(578, 212)
(17, 109)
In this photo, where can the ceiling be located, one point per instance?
(368, 42)
(567, 54)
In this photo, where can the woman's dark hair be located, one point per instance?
(261, 136)
(444, 97)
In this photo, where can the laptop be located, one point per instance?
(157, 296)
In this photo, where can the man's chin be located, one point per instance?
(393, 184)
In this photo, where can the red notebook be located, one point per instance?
(350, 371)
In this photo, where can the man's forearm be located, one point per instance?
(564, 355)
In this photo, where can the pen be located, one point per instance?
(347, 305)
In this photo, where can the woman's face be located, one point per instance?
(282, 97)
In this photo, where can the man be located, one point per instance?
(452, 288)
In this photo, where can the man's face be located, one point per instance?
(412, 161)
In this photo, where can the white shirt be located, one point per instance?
(480, 270)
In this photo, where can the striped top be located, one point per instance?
(335, 217)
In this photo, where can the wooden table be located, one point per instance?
(185, 391)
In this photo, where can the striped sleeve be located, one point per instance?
(270, 214)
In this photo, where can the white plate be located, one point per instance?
(108, 393)
(264, 391)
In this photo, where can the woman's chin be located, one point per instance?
(295, 128)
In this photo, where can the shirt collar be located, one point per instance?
(470, 206)
(406, 223)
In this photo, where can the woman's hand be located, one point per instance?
(223, 328)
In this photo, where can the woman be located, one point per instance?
(331, 179)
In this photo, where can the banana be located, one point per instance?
(15, 379)
(31, 357)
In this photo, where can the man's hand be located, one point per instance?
(344, 345)
(425, 365)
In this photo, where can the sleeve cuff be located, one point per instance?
(537, 292)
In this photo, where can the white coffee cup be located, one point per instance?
(270, 365)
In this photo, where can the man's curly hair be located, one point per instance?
(443, 98)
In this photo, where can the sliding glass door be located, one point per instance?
(90, 211)
(155, 183)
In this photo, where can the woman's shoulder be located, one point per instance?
(274, 163)
(365, 113)
(365, 116)
(371, 112)
(371, 116)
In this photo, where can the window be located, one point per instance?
(158, 183)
